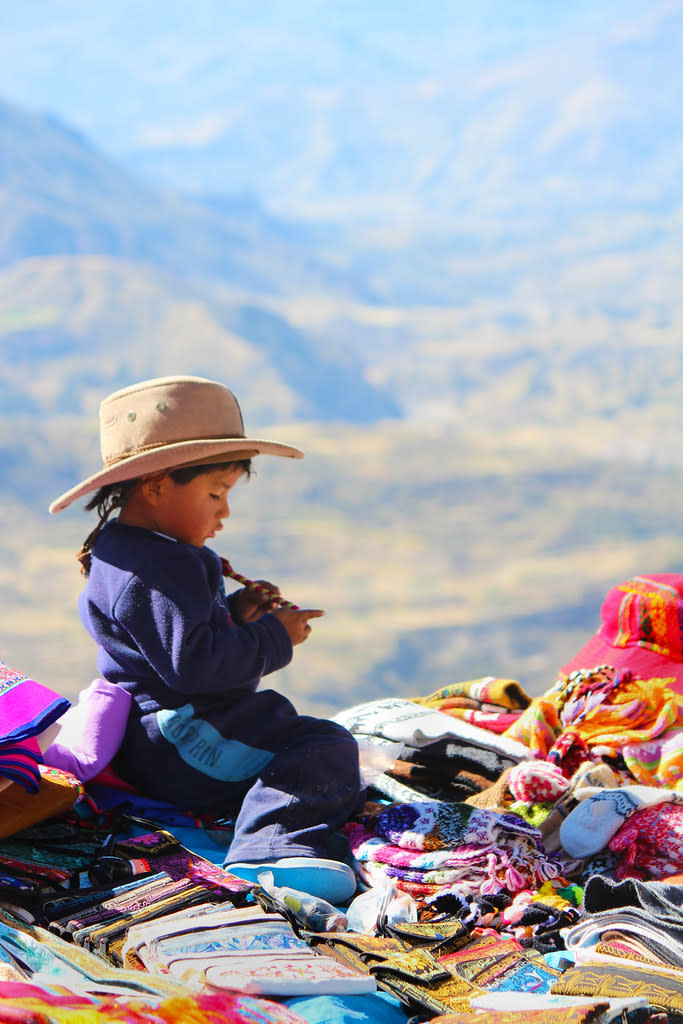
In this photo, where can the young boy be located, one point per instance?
(201, 734)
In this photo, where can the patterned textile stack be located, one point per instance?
(520, 860)
(566, 854)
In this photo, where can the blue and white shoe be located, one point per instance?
(329, 880)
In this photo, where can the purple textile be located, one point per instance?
(26, 707)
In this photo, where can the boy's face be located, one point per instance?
(195, 511)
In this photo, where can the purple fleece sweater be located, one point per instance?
(158, 612)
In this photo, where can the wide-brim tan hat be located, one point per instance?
(166, 423)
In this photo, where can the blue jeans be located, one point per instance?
(288, 780)
(309, 789)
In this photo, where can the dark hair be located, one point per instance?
(112, 496)
(184, 474)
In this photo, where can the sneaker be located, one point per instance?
(326, 879)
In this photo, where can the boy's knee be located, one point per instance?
(339, 738)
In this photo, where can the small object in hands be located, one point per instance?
(229, 571)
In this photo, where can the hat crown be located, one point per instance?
(647, 612)
(161, 424)
(166, 411)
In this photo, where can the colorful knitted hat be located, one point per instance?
(641, 629)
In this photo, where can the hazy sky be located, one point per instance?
(162, 85)
(525, 131)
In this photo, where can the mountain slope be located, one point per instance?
(59, 195)
(98, 264)
(73, 328)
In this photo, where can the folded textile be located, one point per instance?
(20, 762)
(142, 934)
(447, 994)
(506, 693)
(278, 976)
(49, 855)
(400, 792)
(128, 899)
(26, 707)
(481, 952)
(436, 825)
(52, 962)
(161, 851)
(489, 703)
(57, 792)
(408, 722)
(516, 971)
(662, 900)
(244, 949)
(453, 755)
(62, 913)
(359, 948)
(663, 990)
(494, 721)
(415, 976)
(268, 934)
(26, 1003)
(425, 846)
(616, 946)
(664, 940)
(107, 938)
(419, 777)
(548, 1008)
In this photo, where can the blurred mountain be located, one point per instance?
(446, 153)
(59, 195)
(105, 279)
(493, 120)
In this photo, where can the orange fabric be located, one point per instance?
(58, 791)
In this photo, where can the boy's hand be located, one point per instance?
(296, 622)
(251, 603)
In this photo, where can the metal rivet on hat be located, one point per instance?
(132, 415)
(161, 406)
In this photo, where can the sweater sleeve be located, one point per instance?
(185, 632)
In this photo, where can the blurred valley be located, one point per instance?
(486, 380)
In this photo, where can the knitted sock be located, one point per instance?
(537, 782)
(589, 827)
(589, 777)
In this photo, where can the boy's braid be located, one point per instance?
(84, 555)
(105, 501)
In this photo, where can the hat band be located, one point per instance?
(114, 460)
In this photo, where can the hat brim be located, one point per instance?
(172, 456)
(644, 663)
